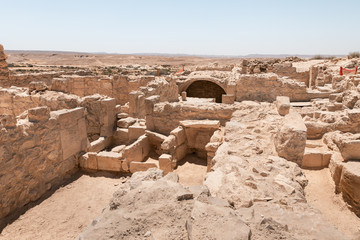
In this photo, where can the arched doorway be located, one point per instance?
(205, 89)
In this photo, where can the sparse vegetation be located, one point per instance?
(320, 57)
(354, 55)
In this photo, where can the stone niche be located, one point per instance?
(191, 137)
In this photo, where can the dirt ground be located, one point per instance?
(191, 170)
(66, 213)
(320, 193)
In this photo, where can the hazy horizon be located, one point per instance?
(227, 28)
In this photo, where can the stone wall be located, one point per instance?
(164, 117)
(117, 87)
(265, 87)
(100, 111)
(4, 71)
(24, 80)
(37, 153)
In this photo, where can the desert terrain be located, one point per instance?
(110, 146)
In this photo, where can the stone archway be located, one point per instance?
(205, 89)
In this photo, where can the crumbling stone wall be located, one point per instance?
(4, 71)
(37, 153)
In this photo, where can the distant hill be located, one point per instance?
(169, 54)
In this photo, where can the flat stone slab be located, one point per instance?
(200, 124)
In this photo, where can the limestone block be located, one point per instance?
(180, 135)
(155, 138)
(88, 161)
(60, 84)
(135, 131)
(138, 150)
(38, 114)
(335, 167)
(181, 151)
(349, 185)
(165, 161)
(37, 86)
(108, 117)
(169, 143)
(149, 103)
(124, 166)
(109, 161)
(228, 99)
(212, 146)
(315, 130)
(283, 105)
(126, 122)
(99, 144)
(354, 115)
(207, 124)
(290, 140)
(141, 166)
(72, 131)
(122, 115)
(118, 149)
(121, 136)
(350, 149)
(315, 159)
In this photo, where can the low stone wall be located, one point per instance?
(38, 153)
(24, 80)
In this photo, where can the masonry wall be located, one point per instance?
(117, 87)
(37, 153)
(100, 110)
(265, 87)
(4, 71)
(165, 116)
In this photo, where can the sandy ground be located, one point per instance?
(191, 171)
(66, 212)
(320, 193)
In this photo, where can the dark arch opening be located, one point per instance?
(205, 89)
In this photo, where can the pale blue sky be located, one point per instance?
(191, 27)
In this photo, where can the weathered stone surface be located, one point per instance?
(290, 139)
(165, 163)
(37, 86)
(126, 122)
(141, 166)
(38, 114)
(316, 159)
(109, 161)
(349, 184)
(72, 130)
(283, 105)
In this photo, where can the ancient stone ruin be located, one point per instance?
(255, 126)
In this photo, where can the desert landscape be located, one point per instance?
(111, 146)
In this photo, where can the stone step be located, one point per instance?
(316, 158)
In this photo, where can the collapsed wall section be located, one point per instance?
(37, 153)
